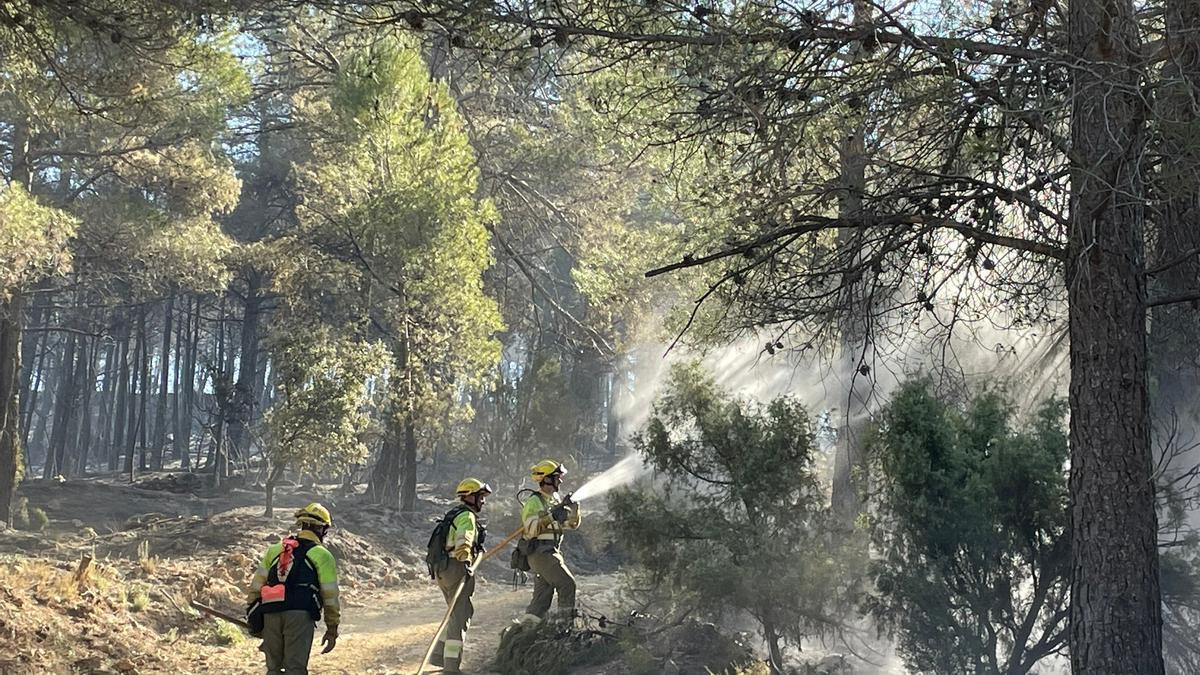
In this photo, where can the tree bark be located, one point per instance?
(10, 404)
(144, 389)
(385, 479)
(408, 488)
(122, 395)
(84, 437)
(131, 424)
(846, 498)
(1115, 613)
(245, 391)
(105, 412)
(164, 381)
(62, 411)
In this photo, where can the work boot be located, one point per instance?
(451, 666)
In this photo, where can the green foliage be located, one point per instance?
(969, 522)
(322, 413)
(390, 198)
(740, 524)
(33, 240)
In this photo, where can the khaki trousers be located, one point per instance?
(450, 642)
(552, 577)
(287, 640)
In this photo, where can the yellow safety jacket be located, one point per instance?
(540, 525)
(461, 540)
(321, 559)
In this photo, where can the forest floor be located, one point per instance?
(105, 586)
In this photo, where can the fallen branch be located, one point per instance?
(212, 611)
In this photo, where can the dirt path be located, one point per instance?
(392, 636)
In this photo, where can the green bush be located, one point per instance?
(737, 521)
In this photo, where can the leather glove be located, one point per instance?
(560, 513)
(330, 639)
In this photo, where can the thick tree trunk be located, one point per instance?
(1115, 613)
(385, 479)
(164, 381)
(10, 404)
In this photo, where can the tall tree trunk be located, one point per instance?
(616, 387)
(84, 438)
(187, 422)
(62, 411)
(12, 311)
(33, 359)
(119, 421)
(144, 389)
(408, 486)
(164, 381)
(105, 410)
(245, 391)
(1115, 611)
(131, 425)
(854, 331)
(385, 478)
(10, 404)
(44, 412)
(177, 383)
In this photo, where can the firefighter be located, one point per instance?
(464, 543)
(545, 516)
(294, 585)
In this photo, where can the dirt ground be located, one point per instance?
(154, 547)
(392, 633)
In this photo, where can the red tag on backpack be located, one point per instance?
(272, 593)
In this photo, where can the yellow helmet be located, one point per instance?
(546, 467)
(314, 514)
(470, 486)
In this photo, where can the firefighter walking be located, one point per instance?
(294, 585)
(463, 544)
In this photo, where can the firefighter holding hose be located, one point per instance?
(545, 516)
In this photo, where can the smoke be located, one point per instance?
(1031, 362)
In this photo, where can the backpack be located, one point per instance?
(292, 581)
(436, 555)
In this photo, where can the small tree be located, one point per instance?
(322, 410)
(969, 520)
(740, 524)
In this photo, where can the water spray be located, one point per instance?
(621, 473)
